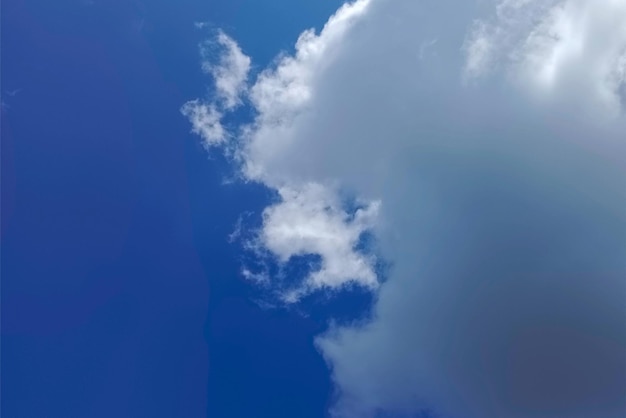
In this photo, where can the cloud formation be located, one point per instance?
(486, 149)
(552, 45)
(312, 216)
(230, 74)
(311, 220)
(231, 71)
(206, 121)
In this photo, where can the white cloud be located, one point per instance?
(259, 278)
(501, 201)
(231, 71)
(230, 74)
(205, 121)
(282, 93)
(311, 217)
(311, 220)
(554, 45)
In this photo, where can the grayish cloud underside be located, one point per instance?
(490, 167)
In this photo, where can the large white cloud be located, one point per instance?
(493, 135)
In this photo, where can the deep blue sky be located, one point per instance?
(120, 292)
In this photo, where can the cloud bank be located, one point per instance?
(485, 144)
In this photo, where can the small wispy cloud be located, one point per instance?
(230, 74)
(206, 121)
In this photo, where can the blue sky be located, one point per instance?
(419, 207)
(121, 295)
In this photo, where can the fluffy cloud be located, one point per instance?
(486, 148)
(556, 45)
(206, 121)
(311, 220)
(230, 74)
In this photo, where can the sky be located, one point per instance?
(385, 208)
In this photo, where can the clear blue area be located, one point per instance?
(120, 292)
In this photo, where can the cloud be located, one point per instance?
(553, 44)
(206, 121)
(230, 74)
(311, 220)
(283, 94)
(490, 168)
(231, 71)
